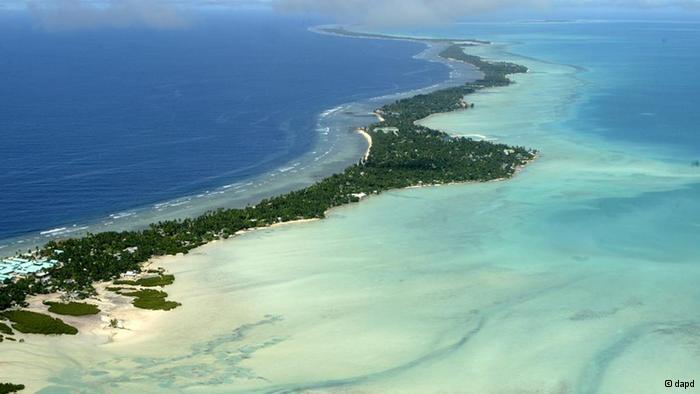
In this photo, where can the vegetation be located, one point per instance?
(6, 388)
(344, 32)
(72, 308)
(151, 299)
(124, 282)
(403, 154)
(494, 72)
(160, 280)
(36, 323)
(5, 329)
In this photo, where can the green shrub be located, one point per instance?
(125, 282)
(36, 323)
(72, 308)
(161, 280)
(5, 329)
(6, 388)
(152, 299)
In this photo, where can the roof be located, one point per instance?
(6, 270)
(18, 266)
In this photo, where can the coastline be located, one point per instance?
(343, 32)
(128, 314)
(264, 185)
(449, 283)
(368, 138)
(306, 169)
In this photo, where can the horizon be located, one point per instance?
(173, 14)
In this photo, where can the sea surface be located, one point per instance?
(580, 275)
(104, 128)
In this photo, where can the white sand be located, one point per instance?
(368, 138)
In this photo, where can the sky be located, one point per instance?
(171, 14)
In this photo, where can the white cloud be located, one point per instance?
(77, 14)
(410, 12)
(399, 12)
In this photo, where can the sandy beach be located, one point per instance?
(131, 321)
(368, 138)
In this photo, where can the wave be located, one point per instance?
(120, 215)
(61, 231)
(53, 231)
(331, 111)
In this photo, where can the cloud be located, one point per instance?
(168, 14)
(393, 12)
(81, 14)
(427, 12)
(633, 4)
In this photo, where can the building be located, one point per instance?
(15, 267)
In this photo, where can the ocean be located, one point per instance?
(637, 73)
(577, 276)
(109, 124)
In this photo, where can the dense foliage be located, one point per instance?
(494, 72)
(403, 154)
(72, 308)
(6, 388)
(5, 329)
(36, 323)
(151, 299)
(160, 280)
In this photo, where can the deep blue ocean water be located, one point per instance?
(95, 122)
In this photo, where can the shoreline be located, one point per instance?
(127, 314)
(192, 205)
(341, 31)
(367, 137)
(258, 187)
(237, 194)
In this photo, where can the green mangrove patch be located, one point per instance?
(6, 388)
(151, 299)
(72, 308)
(160, 280)
(5, 329)
(37, 323)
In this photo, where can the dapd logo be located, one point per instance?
(679, 384)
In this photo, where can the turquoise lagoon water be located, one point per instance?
(578, 276)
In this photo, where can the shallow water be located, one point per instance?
(579, 275)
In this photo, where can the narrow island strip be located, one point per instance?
(401, 153)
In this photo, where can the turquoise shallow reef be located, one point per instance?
(579, 275)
